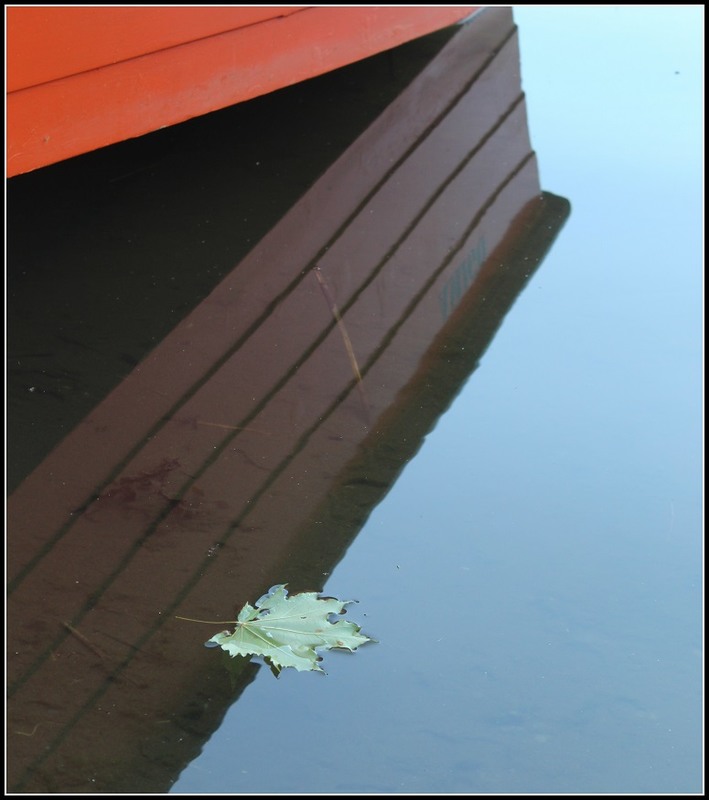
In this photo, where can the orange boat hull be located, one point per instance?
(80, 78)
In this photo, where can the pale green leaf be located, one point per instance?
(288, 631)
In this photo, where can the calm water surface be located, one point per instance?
(533, 577)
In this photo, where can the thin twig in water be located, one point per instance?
(36, 726)
(80, 636)
(34, 730)
(345, 336)
(231, 427)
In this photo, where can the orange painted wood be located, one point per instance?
(80, 78)
(53, 42)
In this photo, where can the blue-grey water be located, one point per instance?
(534, 576)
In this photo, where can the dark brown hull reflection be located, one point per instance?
(248, 448)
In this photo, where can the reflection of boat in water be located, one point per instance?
(245, 450)
(83, 77)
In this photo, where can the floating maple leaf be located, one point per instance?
(287, 631)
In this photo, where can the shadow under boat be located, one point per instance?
(249, 447)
